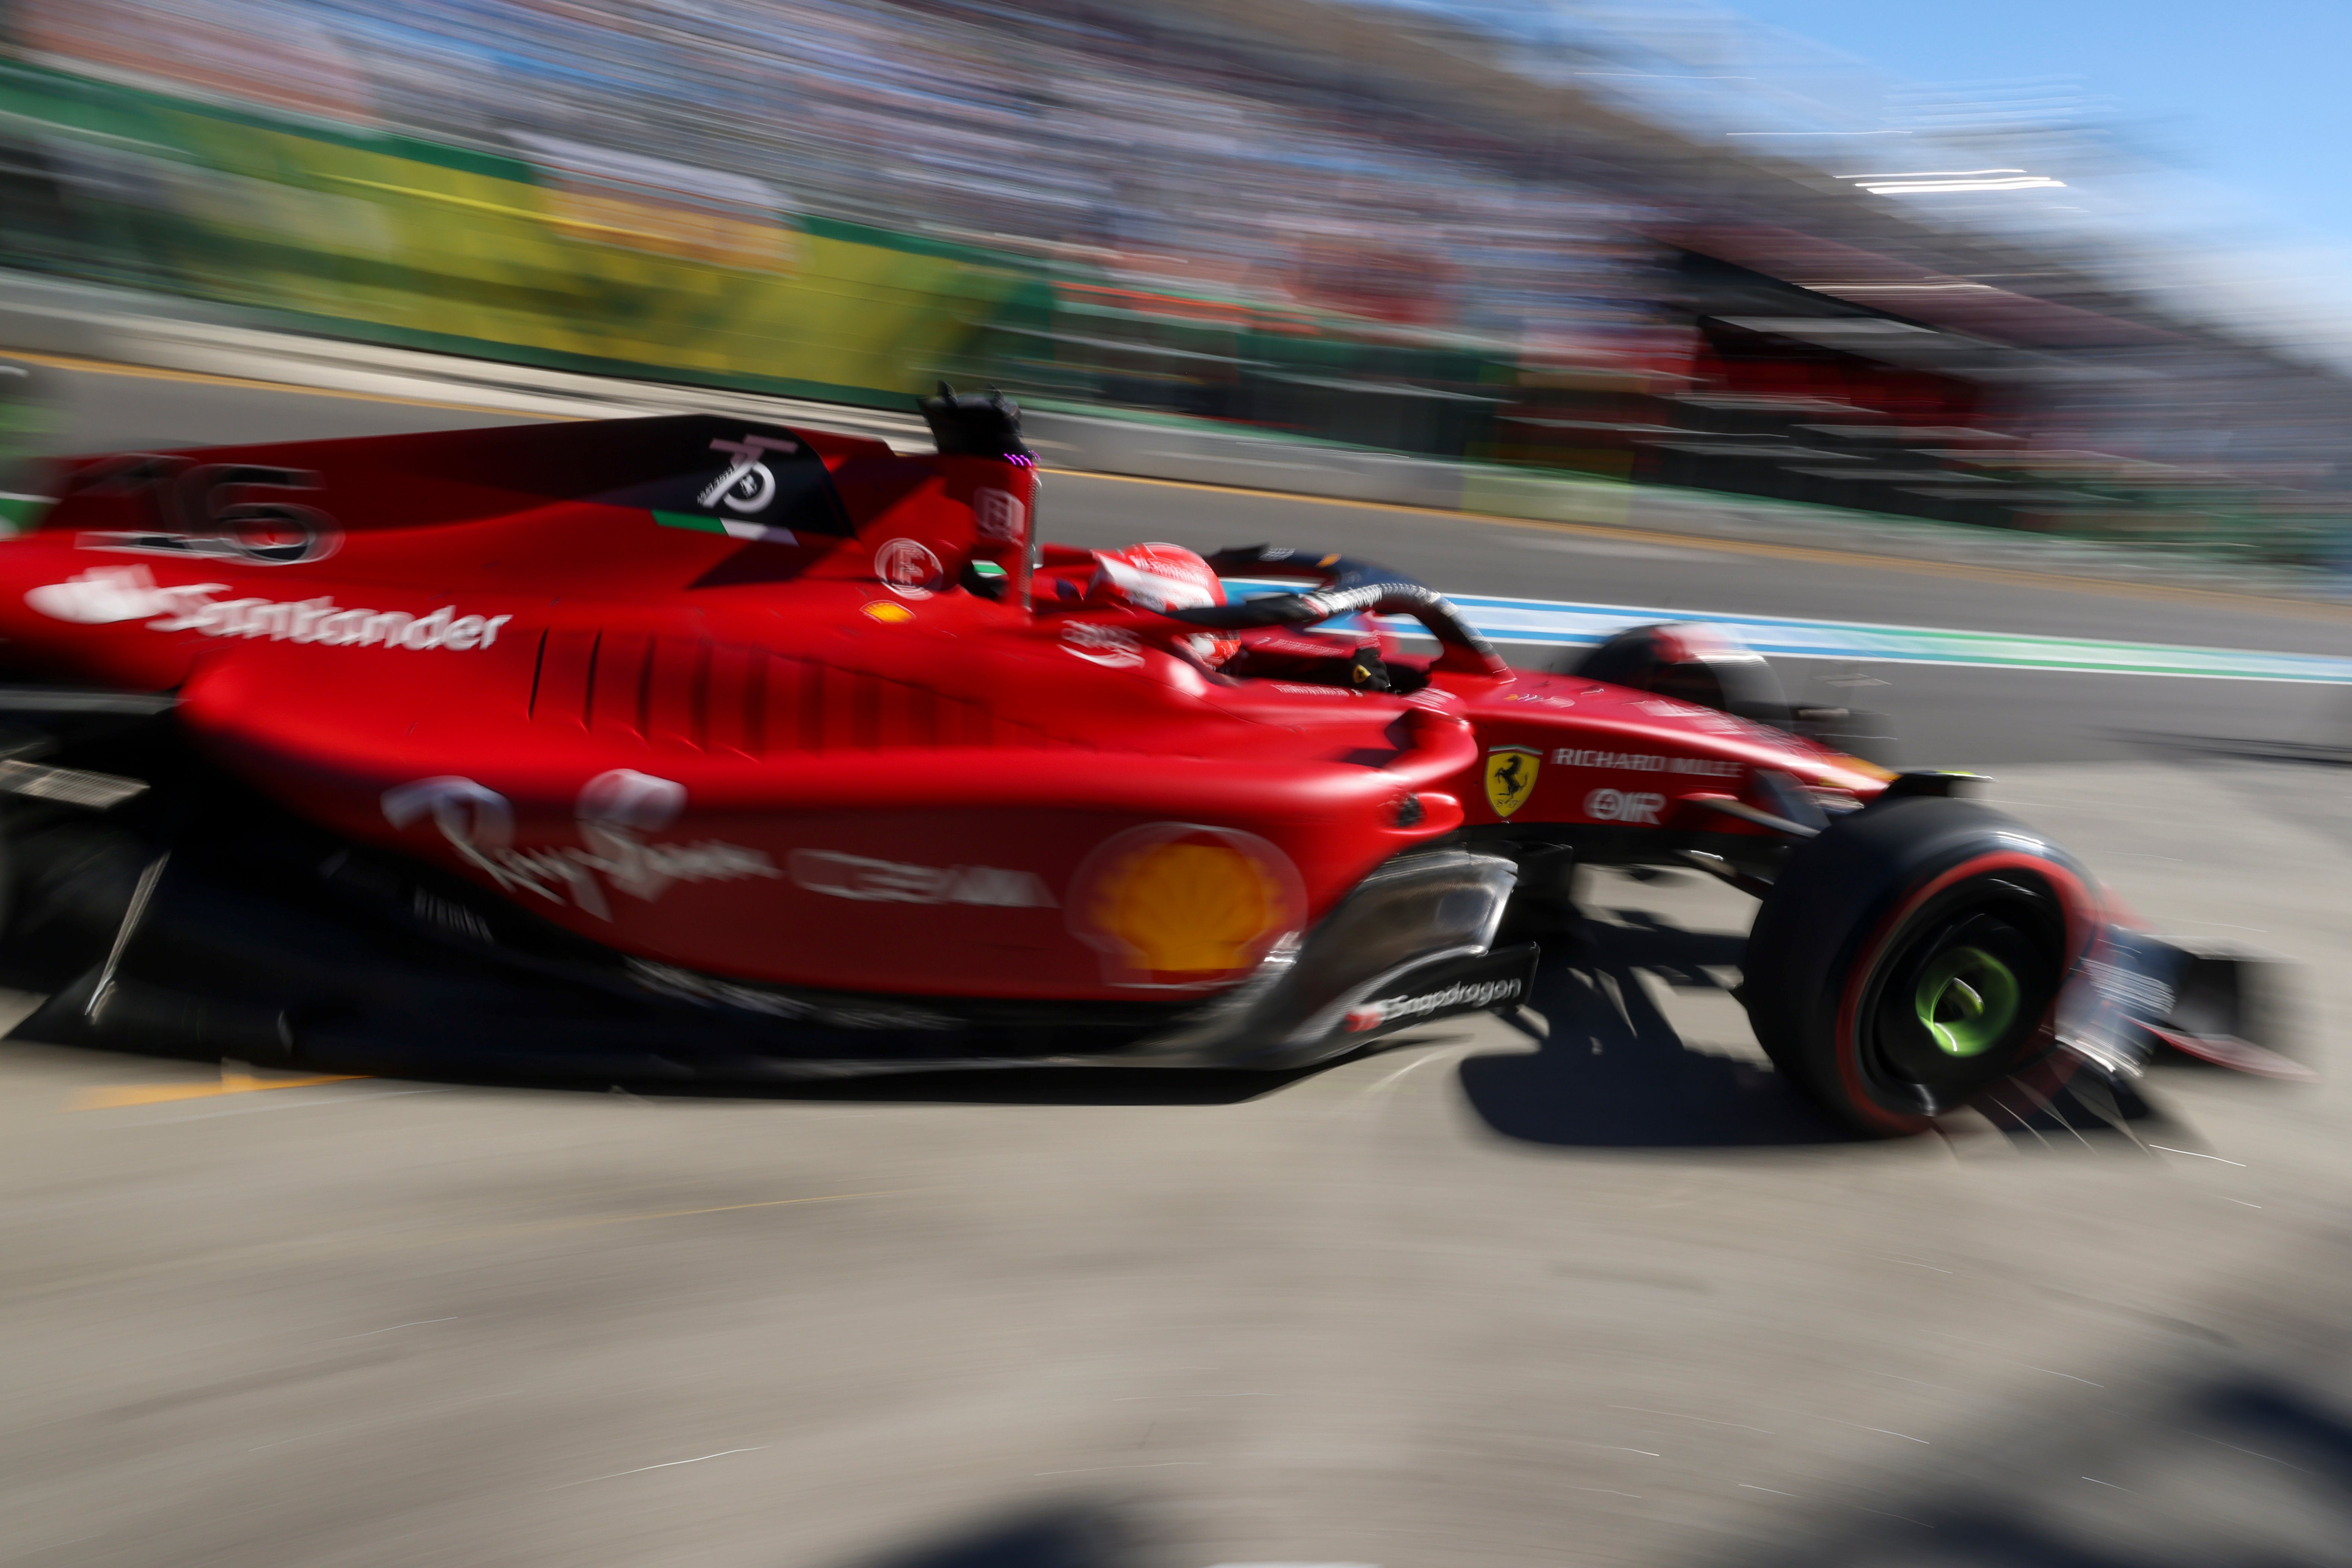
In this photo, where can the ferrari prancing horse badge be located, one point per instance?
(1511, 777)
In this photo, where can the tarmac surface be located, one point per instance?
(1619, 1299)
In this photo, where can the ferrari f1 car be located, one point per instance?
(694, 748)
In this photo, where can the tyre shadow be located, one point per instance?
(2243, 748)
(1616, 1073)
(1072, 1533)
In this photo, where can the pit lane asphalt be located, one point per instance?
(1617, 1299)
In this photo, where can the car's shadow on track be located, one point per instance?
(2243, 748)
(1616, 1073)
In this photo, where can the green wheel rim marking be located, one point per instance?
(1967, 1000)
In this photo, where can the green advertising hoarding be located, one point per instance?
(562, 261)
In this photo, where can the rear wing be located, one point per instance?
(971, 504)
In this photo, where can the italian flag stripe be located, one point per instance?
(732, 529)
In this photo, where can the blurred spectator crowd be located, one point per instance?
(1261, 233)
(1073, 133)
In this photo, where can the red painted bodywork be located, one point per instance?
(825, 778)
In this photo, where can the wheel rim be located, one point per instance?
(1967, 1001)
(1957, 1000)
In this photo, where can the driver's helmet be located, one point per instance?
(1163, 577)
(1155, 577)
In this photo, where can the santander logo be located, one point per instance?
(106, 595)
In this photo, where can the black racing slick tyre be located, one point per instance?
(1910, 960)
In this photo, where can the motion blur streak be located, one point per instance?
(1543, 622)
(1615, 1296)
(1542, 240)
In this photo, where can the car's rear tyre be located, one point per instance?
(1910, 960)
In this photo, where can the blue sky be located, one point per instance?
(2252, 96)
(2232, 119)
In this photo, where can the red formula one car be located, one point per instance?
(693, 747)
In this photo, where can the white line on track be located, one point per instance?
(666, 1465)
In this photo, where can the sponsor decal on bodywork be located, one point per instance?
(1641, 763)
(1170, 905)
(240, 549)
(772, 489)
(747, 486)
(1493, 982)
(1464, 995)
(1640, 808)
(1113, 647)
(104, 595)
(107, 594)
(1511, 776)
(615, 809)
(869, 881)
(998, 515)
(209, 510)
(907, 568)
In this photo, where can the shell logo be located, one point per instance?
(1177, 904)
(907, 568)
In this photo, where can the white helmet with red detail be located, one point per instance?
(1163, 577)
(1156, 577)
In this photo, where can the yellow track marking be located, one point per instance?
(231, 1082)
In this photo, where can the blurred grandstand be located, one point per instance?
(1411, 228)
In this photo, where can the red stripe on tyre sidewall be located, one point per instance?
(2081, 906)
